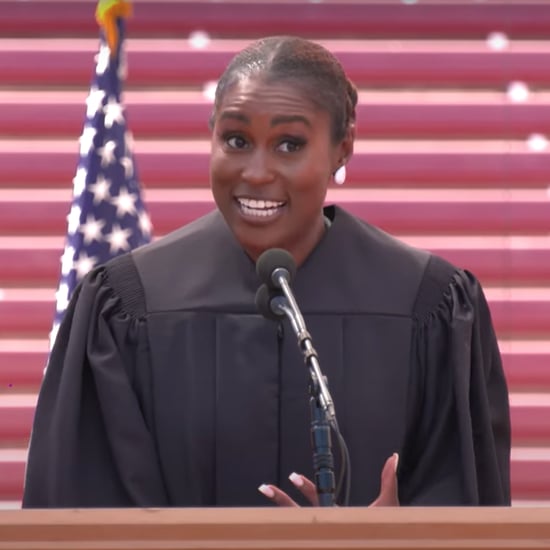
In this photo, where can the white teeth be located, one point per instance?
(259, 208)
(261, 205)
(258, 213)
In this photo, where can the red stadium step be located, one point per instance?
(47, 213)
(530, 419)
(378, 19)
(516, 312)
(23, 363)
(530, 472)
(527, 365)
(397, 164)
(31, 265)
(380, 115)
(49, 63)
(400, 211)
(16, 416)
(520, 311)
(12, 471)
(38, 263)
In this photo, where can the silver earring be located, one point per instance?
(340, 175)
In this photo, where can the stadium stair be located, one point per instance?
(452, 156)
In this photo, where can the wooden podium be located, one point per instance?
(276, 529)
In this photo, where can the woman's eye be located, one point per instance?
(291, 145)
(236, 142)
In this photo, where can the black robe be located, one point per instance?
(166, 387)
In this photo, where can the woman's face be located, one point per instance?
(271, 162)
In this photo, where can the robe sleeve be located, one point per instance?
(457, 449)
(90, 444)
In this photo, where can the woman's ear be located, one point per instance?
(348, 142)
(344, 150)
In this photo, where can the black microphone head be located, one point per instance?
(264, 296)
(272, 259)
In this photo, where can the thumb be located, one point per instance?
(388, 495)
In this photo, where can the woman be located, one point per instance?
(166, 387)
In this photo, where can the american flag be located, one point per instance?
(108, 216)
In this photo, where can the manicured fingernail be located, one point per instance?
(296, 479)
(396, 460)
(266, 490)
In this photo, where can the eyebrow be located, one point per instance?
(280, 119)
(234, 116)
(285, 119)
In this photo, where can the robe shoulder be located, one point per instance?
(202, 267)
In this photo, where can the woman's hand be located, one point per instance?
(388, 495)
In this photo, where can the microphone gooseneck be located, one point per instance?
(276, 268)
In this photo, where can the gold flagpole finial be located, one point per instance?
(106, 14)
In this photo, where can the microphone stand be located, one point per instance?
(304, 341)
(321, 405)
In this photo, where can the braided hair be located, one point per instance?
(308, 65)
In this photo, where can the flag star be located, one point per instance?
(113, 113)
(67, 261)
(94, 101)
(118, 239)
(107, 153)
(92, 229)
(128, 166)
(145, 223)
(103, 58)
(100, 190)
(73, 219)
(86, 140)
(125, 202)
(62, 297)
(83, 264)
(79, 181)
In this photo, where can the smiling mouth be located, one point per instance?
(259, 208)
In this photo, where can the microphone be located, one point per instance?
(274, 299)
(269, 303)
(276, 268)
(274, 305)
(275, 265)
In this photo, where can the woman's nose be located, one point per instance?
(258, 169)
